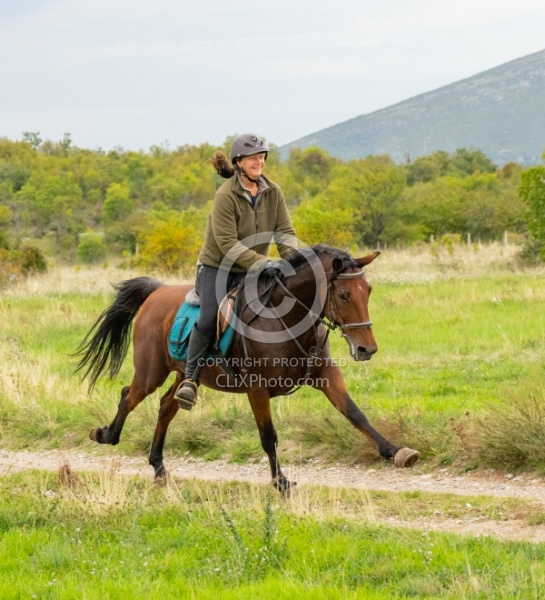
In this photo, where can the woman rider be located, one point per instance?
(248, 212)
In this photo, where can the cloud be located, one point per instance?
(201, 70)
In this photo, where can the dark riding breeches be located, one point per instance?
(211, 286)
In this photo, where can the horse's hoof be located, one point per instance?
(97, 434)
(284, 486)
(161, 480)
(405, 457)
(161, 475)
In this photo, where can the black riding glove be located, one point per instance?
(274, 268)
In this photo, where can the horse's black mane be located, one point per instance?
(301, 257)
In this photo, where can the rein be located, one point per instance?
(336, 321)
(315, 351)
(332, 323)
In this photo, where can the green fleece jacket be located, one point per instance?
(238, 235)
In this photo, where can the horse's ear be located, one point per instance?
(365, 260)
(337, 265)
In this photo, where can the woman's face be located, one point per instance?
(253, 165)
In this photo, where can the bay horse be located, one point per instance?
(280, 341)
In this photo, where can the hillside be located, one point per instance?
(500, 112)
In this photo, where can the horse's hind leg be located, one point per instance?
(109, 434)
(260, 402)
(131, 396)
(167, 411)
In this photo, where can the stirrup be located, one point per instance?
(186, 394)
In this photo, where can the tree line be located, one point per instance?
(75, 204)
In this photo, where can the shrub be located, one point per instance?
(32, 260)
(171, 241)
(91, 248)
(532, 252)
(18, 263)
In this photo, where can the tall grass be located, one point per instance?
(100, 535)
(459, 373)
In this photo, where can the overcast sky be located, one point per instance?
(137, 73)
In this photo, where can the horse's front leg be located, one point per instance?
(167, 411)
(260, 401)
(331, 382)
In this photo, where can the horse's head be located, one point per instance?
(324, 282)
(347, 304)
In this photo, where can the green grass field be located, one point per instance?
(102, 536)
(459, 375)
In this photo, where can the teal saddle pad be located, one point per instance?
(183, 324)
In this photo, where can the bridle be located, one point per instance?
(334, 320)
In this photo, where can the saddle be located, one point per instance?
(188, 315)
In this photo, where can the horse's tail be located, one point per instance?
(107, 343)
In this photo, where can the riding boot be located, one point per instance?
(186, 394)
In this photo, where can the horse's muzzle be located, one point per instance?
(364, 353)
(361, 351)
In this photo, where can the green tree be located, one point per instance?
(90, 170)
(490, 206)
(16, 162)
(91, 248)
(53, 202)
(315, 222)
(122, 236)
(483, 205)
(54, 191)
(372, 189)
(428, 168)
(118, 204)
(468, 162)
(32, 138)
(170, 240)
(532, 192)
(5, 216)
(435, 205)
(311, 168)
(165, 188)
(462, 162)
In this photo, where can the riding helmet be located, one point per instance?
(247, 144)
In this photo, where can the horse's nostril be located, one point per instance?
(364, 351)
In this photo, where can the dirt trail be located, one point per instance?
(527, 487)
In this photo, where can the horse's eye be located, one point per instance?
(343, 296)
